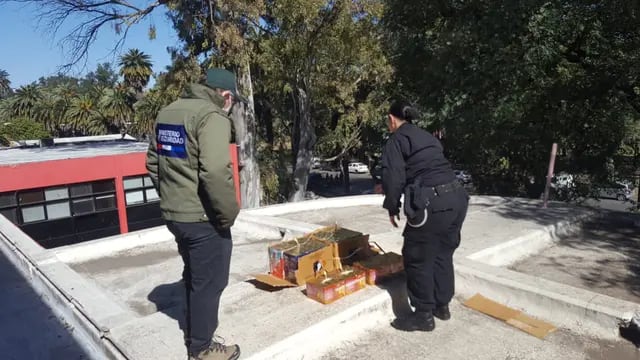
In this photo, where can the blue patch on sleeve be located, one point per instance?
(172, 140)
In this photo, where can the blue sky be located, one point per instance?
(28, 52)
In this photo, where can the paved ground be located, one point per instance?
(29, 328)
(146, 280)
(610, 204)
(604, 257)
(472, 335)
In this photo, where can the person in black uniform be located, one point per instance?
(435, 205)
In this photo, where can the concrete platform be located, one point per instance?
(604, 257)
(471, 335)
(125, 291)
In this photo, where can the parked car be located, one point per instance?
(463, 176)
(616, 190)
(358, 167)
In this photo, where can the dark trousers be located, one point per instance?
(428, 251)
(206, 254)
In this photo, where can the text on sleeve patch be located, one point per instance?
(172, 140)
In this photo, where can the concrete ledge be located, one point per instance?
(509, 252)
(21, 251)
(95, 249)
(255, 225)
(337, 202)
(576, 309)
(253, 228)
(269, 227)
(317, 339)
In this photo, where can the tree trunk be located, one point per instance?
(246, 131)
(346, 182)
(304, 139)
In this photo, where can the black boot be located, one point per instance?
(417, 321)
(442, 312)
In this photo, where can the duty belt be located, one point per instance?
(440, 190)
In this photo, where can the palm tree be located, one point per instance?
(83, 117)
(25, 101)
(147, 110)
(46, 110)
(51, 110)
(116, 105)
(5, 110)
(135, 67)
(5, 84)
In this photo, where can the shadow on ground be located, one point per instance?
(614, 233)
(170, 299)
(29, 328)
(397, 289)
(532, 210)
(604, 257)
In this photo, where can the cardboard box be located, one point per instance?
(380, 266)
(292, 263)
(350, 246)
(336, 285)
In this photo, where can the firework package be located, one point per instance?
(320, 260)
(330, 287)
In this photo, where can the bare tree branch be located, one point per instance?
(88, 17)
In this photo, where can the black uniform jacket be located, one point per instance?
(410, 155)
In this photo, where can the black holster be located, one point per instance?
(416, 201)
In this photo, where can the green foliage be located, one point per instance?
(21, 129)
(332, 51)
(135, 67)
(507, 79)
(105, 76)
(5, 84)
(273, 174)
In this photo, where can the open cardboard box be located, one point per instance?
(350, 246)
(292, 263)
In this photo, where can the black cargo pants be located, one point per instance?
(206, 254)
(428, 251)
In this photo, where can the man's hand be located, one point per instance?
(378, 189)
(393, 220)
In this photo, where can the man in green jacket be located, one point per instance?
(190, 165)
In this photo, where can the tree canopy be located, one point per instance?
(498, 81)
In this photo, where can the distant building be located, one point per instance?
(77, 189)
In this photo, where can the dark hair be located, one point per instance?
(404, 111)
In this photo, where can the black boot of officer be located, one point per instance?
(416, 321)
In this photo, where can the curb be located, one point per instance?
(578, 310)
(507, 253)
(320, 337)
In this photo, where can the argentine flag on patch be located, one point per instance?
(172, 140)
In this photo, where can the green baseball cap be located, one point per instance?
(224, 79)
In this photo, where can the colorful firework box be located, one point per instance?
(291, 263)
(381, 266)
(348, 245)
(333, 286)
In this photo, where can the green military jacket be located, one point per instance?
(189, 160)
